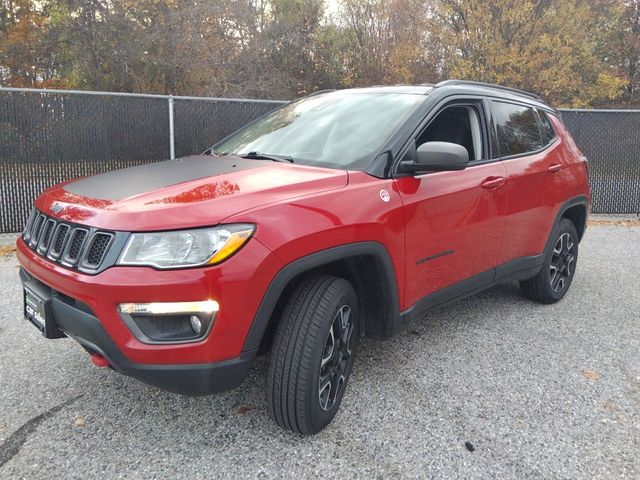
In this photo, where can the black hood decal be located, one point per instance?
(132, 181)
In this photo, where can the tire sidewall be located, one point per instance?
(565, 226)
(316, 416)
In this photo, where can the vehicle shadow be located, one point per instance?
(245, 407)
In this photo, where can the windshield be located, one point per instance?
(338, 129)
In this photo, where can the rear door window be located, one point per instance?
(517, 129)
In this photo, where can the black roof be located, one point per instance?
(460, 86)
(409, 89)
(491, 86)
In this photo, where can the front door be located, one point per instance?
(454, 221)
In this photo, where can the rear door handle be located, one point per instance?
(555, 168)
(491, 183)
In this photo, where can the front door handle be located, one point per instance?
(491, 183)
(555, 167)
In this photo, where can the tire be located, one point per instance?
(556, 275)
(312, 318)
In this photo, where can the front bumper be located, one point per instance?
(85, 308)
(76, 320)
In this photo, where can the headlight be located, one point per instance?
(185, 248)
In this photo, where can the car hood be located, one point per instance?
(188, 192)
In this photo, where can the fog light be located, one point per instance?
(196, 324)
(171, 322)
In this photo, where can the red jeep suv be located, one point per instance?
(340, 215)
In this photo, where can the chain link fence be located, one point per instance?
(49, 136)
(610, 139)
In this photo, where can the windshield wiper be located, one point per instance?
(267, 156)
(213, 153)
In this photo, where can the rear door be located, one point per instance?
(530, 151)
(453, 220)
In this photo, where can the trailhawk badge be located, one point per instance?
(384, 196)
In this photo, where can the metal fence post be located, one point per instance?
(49, 135)
(172, 140)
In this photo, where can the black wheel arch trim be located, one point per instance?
(581, 200)
(315, 260)
(519, 268)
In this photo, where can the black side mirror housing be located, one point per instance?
(440, 157)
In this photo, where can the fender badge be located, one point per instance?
(57, 208)
(384, 196)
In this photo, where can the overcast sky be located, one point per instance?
(332, 6)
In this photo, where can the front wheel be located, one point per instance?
(313, 354)
(556, 275)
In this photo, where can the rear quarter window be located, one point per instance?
(548, 133)
(517, 129)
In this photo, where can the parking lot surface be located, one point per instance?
(493, 386)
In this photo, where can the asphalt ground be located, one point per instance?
(493, 386)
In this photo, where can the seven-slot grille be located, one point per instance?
(66, 243)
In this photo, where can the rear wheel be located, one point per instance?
(313, 354)
(556, 275)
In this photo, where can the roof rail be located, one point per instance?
(517, 91)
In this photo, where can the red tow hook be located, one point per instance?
(99, 361)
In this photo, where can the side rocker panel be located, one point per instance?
(519, 268)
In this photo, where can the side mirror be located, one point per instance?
(440, 157)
